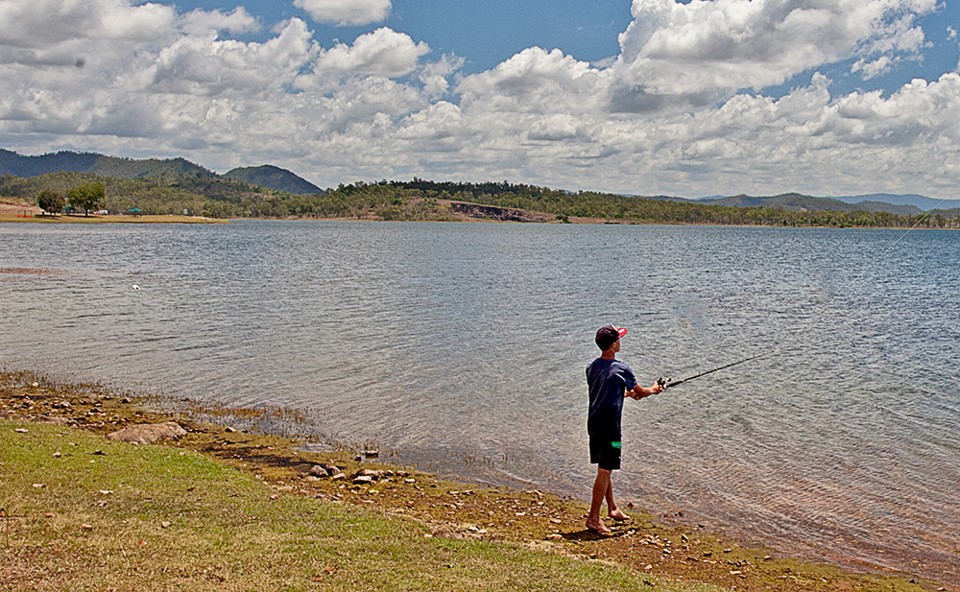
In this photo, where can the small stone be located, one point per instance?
(86, 526)
(362, 479)
(38, 485)
(57, 455)
(99, 452)
(230, 430)
(165, 524)
(20, 430)
(339, 476)
(35, 384)
(318, 471)
(409, 480)
(106, 491)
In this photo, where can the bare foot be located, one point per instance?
(598, 527)
(618, 515)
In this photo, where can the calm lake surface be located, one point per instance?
(461, 348)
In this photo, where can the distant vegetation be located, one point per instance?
(219, 197)
(172, 186)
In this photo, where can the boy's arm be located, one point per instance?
(638, 392)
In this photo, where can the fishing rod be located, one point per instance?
(667, 383)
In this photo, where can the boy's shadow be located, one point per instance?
(591, 535)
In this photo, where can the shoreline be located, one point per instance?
(449, 508)
(12, 213)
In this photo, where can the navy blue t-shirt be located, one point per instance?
(607, 380)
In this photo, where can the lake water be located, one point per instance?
(461, 348)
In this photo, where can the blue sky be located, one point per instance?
(672, 97)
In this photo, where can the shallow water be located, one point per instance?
(461, 348)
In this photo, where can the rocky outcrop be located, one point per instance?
(148, 433)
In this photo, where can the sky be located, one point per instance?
(651, 97)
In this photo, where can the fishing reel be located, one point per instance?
(663, 382)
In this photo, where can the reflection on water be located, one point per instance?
(461, 347)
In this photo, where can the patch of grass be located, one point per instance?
(85, 513)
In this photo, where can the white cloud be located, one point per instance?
(207, 66)
(199, 22)
(734, 44)
(383, 52)
(40, 24)
(346, 12)
(534, 80)
(669, 115)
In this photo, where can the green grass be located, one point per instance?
(158, 518)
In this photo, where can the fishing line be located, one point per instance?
(912, 228)
(666, 383)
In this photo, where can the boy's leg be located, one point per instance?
(612, 510)
(602, 488)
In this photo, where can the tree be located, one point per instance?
(88, 196)
(51, 201)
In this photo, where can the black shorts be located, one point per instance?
(605, 452)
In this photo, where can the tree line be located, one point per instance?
(418, 199)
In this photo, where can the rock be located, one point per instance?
(20, 431)
(149, 433)
(318, 471)
(371, 473)
(362, 479)
(230, 430)
(371, 453)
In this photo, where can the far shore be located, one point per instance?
(108, 219)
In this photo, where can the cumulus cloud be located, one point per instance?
(383, 52)
(680, 111)
(534, 80)
(200, 22)
(43, 23)
(731, 44)
(207, 66)
(346, 12)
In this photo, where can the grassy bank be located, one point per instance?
(221, 509)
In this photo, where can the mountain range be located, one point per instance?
(276, 178)
(271, 177)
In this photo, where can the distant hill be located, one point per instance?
(17, 165)
(274, 178)
(799, 202)
(88, 163)
(918, 201)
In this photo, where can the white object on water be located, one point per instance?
(135, 287)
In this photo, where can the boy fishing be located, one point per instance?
(609, 381)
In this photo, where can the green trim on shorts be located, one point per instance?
(618, 445)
